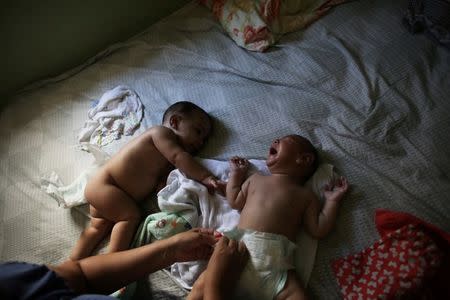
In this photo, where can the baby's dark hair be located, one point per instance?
(315, 163)
(309, 147)
(183, 108)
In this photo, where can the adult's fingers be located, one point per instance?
(233, 244)
(242, 247)
(202, 230)
(223, 241)
(205, 235)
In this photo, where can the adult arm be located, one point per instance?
(109, 272)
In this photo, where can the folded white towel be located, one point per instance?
(119, 111)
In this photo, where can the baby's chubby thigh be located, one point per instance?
(108, 199)
(292, 289)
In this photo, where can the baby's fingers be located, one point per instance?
(235, 159)
(211, 188)
(244, 162)
(221, 187)
(342, 183)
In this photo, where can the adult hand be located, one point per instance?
(191, 245)
(226, 265)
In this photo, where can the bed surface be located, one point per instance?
(371, 96)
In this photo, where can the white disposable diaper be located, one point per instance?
(271, 256)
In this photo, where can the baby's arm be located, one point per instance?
(235, 189)
(166, 143)
(319, 223)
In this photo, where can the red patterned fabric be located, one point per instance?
(403, 263)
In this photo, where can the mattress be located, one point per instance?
(371, 96)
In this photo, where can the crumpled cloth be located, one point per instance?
(118, 112)
(72, 195)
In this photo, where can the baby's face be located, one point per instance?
(194, 130)
(286, 149)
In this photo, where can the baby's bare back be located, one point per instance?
(138, 167)
(275, 205)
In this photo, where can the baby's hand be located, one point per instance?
(239, 164)
(335, 192)
(213, 184)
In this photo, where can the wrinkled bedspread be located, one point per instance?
(371, 96)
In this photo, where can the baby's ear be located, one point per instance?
(174, 121)
(305, 159)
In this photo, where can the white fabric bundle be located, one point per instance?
(119, 111)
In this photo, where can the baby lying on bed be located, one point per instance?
(138, 170)
(272, 210)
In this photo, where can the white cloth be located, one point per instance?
(119, 111)
(67, 196)
(191, 199)
(73, 194)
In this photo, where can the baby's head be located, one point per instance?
(293, 155)
(190, 123)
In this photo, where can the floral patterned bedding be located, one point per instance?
(257, 24)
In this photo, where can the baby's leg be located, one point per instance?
(92, 236)
(292, 289)
(111, 206)
(116, 206)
